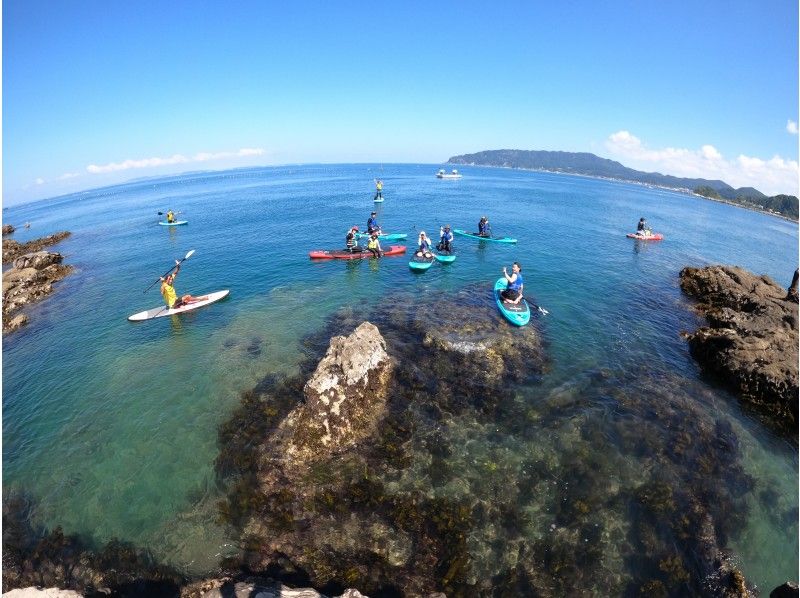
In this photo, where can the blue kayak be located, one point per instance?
(464, 233)
(445, 258)
(420, 262)
(519, 314)
(384, 237)
(176, 223)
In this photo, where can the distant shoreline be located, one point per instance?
(682, 190)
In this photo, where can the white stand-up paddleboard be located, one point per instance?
(160, 312)
(176, 223)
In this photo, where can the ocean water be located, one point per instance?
(111, 425)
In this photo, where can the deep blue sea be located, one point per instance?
(112, 425)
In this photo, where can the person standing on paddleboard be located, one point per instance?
(169, 294)
(513, 292)
(378, 189)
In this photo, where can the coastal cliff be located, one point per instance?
(751, 342)
(31, 277)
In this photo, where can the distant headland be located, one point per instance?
(584, 163)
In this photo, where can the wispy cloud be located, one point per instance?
(40, 181)
(791, 127)
(773, 176)
(175, 159)
(68, 175)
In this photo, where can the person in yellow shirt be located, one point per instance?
(378, 189)
(170, 216)
(374, 245)
(170, 296)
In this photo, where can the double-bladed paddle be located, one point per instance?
(188, 255)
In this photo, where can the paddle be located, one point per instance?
(162, 213)
(188, 255)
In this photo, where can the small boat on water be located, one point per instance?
(454, 174)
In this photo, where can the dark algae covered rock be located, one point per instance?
(751, 342)
(613, 484)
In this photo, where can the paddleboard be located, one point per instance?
(344, 254)
(420, 262)
(652, 237)
(464, 233)
(176, 223)
(445, 258)
(519, 314)
(378, 200)
(384, 237)
(160, 312)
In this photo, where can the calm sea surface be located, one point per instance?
(111, 425)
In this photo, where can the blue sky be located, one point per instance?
(100, 92)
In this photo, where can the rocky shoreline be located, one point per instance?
(750, 345)
(31, 276)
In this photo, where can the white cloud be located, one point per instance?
(68, 175)
(175, 159)
(791, 127)
(773, 176)
(39, 181)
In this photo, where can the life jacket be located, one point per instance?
(168, 291)
(517, 284)
(379, 185)
(482, 226)
(350, 240)
(424, 244)
(642, 226)
(170, 216)
(373, 244)
(447, 235)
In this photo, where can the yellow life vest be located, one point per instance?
(170, 216)
(379, 185)
(168, 291)
(373, 244)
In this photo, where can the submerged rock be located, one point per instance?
(8, 229)
(751, 343)
(12, 248)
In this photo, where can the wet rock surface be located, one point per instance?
(475, 483)
(8, 229)
(751, 343)
(12, 248)
(30, 279)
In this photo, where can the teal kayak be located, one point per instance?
(464, 233)
(445, 259)
(519, 314)
(420, 262)
(176, 223)
(384, 237)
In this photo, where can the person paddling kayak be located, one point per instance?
(513, 291)
(168, 291)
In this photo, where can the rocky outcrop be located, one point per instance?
(13, 249)
(786, 590)
(8, 229)
(344, 400)
(751, 342)
(41, 593)
(31, 277)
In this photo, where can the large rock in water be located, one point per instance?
(344, 400)
(751, 343)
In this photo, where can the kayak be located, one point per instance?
(344, 254)
(160, 312)
(519, 314)
(463, 233)
(445, 259)
(384, 237)
(176, 223)
(651, 237)
(419, 262)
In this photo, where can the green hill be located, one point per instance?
(588, 164)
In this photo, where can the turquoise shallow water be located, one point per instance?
(112, 425)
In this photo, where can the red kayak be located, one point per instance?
(344, 254)
(650, 237)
